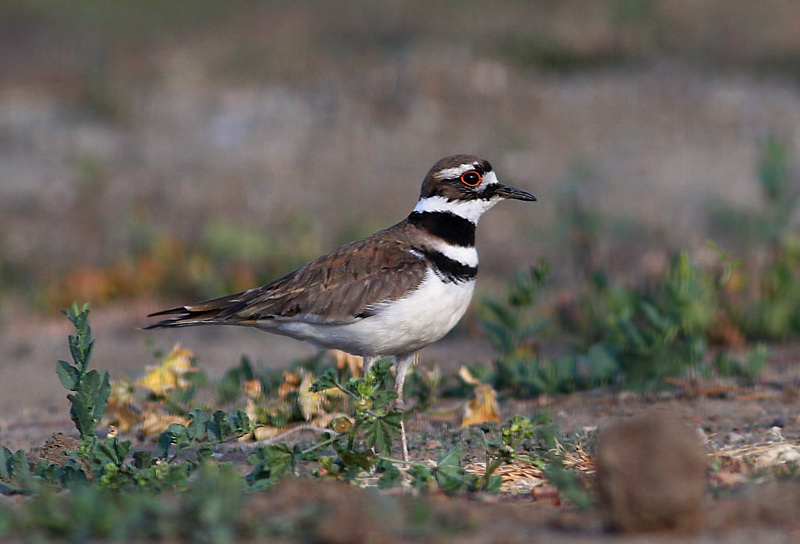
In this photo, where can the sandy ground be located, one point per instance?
(282, 116)
(33, 406)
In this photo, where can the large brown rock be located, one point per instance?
(651, 474)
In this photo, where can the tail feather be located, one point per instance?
(171, 311)
(215, 311)
(185, 320)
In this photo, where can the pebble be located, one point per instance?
(651, 474)
(774, 435)
(734, 438)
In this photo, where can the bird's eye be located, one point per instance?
(471, 178)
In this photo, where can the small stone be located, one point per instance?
(734, 438)
(651, 474)
(774, 435)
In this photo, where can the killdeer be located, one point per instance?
(387, 295)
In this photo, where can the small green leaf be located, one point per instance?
(420, 476)
(503, 315)
(164, 443)
(16, 469)
(143, 459)
(327, 380)
(80, 350)
(239, 421)
(196, 429)
(101, 396)
(219, 426)
(89, 402)
(382, 431)
(381, 371)
(383, 399)
(449, 474)
(492, 483)
(175, 434)
(450, 458)
(115, 449)
(357, 460)
(655, 318)
(68, 375)
(270, 462)
(81, 415)
(5, 463)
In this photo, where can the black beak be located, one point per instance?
(517, 194)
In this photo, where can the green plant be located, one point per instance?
(512, 326)
(747, 369)
(202, 434)
(513, 435)
(774, 313)
(778, 188)
(375, 414)
(90, 388)
(363, 444)
(663, 332)
(534, 441)
(15, 473)
(108, 462)
(650, 333)
(765, 303)
(637, 336)
(210, 510)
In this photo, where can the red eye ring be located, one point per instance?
(472, 178)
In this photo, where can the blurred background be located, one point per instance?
(160, 152)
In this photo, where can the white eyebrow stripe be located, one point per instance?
(456, 171)
(489, 178)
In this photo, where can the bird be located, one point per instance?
(385, 296)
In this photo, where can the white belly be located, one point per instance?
(400, 327)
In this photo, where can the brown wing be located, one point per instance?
(339, 287)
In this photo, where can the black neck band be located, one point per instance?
(448, 269)
(450, 227)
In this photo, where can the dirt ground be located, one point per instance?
(314, 124)
(764, 512)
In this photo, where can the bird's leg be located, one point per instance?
(403, 365)
(367, 366)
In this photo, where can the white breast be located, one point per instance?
(399, 327)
